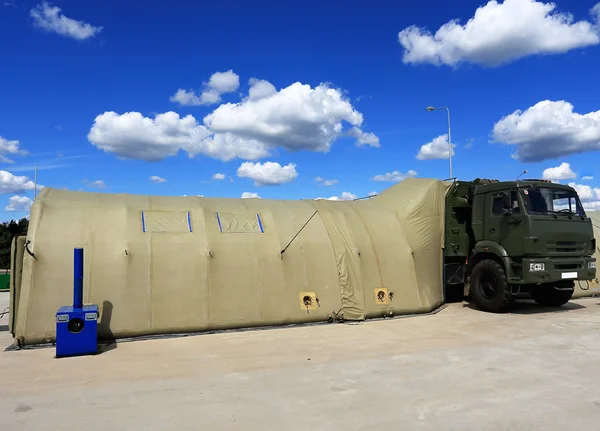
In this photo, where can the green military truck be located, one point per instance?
(503, 239)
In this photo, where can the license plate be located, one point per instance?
(569, 275)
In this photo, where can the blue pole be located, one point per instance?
(78, 278)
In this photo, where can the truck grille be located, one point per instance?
(566, 247)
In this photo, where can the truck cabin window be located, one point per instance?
(546, 200)
(499, 204)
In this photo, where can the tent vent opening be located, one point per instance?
(240, 223)
(166, 221)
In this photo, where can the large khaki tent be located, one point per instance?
(159, 265)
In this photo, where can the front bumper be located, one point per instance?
(548, 270)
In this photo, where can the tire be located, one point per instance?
(489, 288)
(549, 296)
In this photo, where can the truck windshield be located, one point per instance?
(548, 200)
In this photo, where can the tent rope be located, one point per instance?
(298, 233)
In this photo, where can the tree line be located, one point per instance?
(8, 230)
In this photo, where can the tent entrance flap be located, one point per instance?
(348, 265)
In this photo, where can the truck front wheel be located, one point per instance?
(553, 295)
(489, 288)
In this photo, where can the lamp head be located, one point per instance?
(524, 172)
(430, 108)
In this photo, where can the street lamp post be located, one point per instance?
(431, 108)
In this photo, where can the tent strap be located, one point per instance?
(298, 233)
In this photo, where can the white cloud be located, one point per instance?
(228, 146)
(499, 33)
(346, 196)
(260, 89)
(562, 172)
(373, 193)
(10, 147)
(585, 192)
(49, 18)
(395, 176)
(549, 130)
(295, 118)
(218, 84)
(595, 12)
(157, 179)
(436, 149)
(133, 136)
(189, 98)
(249, 195)
(218, 176)
(363, 138)
(591, 206)
(224, 82)
(587, 178)
(97, 184)
(268, 173)
(10, 183)
(19, 203)
(326, 182)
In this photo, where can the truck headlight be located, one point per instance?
(537, 266)
(592, 265)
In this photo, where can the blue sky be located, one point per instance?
(90, 94)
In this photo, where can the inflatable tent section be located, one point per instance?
(160, 265)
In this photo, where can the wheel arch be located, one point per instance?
(489, 250)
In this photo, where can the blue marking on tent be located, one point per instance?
(219, 221)
(143, 223)
(260, 225)
(189, 221)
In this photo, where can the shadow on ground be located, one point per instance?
(106, 346)
(107, 341)
(529, 306)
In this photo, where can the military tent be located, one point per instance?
(165, 264)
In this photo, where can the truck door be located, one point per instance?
(506, 226)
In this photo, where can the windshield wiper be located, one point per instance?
(547, 211)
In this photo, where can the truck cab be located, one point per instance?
(507, 238)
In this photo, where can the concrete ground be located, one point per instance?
(460, 369)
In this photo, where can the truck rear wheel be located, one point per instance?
(553, 295)
(489, 288)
